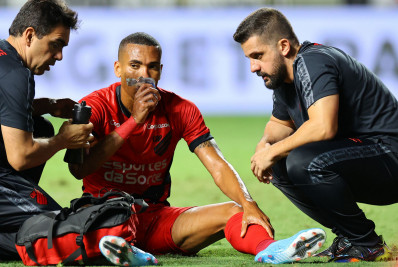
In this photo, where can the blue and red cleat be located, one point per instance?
(119, 252)
(300, 246)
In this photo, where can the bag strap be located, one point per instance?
(141, 202)
(30, 251)
(89, 199)
(51, 229)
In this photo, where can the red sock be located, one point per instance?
(255, 240)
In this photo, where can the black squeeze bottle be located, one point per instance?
(81, 115)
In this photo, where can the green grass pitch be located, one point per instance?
(192, 185)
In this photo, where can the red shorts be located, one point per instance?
(154, 229)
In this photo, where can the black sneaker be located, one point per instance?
(339, 245)
(379, 252)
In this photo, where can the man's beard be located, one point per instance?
(278, 76)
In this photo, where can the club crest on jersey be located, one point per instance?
(157, 138)
(164, 144)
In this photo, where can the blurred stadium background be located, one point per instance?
(201, 60)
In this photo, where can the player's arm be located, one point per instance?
(61, 108)
(321, 125)
(145, 101)
(24, 152)
(228, 180)
(99, 152)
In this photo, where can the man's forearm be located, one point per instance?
(42, 106)
(308, 132)
(39, 152)
(275, 132)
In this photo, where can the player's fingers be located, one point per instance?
(265, 223)
(146, 103)
(270, 230)
(143, 90)
(267, 226)
(147, 88)
(244, 228)
(156, 93)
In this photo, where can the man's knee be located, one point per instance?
(42, 127)
(297, 165)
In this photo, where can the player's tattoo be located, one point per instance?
(209, 143)
(205, 144)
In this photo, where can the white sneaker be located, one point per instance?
(119, 252)
(300, 246)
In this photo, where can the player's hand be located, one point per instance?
(145, 101)
(73, 136)
(253, 215)
(261, 163)
(62, 108)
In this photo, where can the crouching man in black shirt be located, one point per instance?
(332, 139)
(38, 34)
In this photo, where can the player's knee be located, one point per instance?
(233, 208)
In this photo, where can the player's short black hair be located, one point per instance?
(140, 38)
(268, 23)
(43, 16)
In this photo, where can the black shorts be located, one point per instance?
(20, 199)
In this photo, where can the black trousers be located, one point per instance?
(21, 197)
(326, 179)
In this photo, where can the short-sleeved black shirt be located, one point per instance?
(366, 107)
(17, 90)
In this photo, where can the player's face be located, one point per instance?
(43, 53)
(265, 61)
(138, 61)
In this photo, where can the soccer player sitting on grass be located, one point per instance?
(332, 139)
(137, 128)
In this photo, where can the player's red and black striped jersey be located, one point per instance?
(141, 166)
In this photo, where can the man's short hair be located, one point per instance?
(43, 16)
(140, 38)
(268, 23)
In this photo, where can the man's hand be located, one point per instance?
(253, 215)
(261, 163)
(73, 136)
(62, 108)
(145, 101)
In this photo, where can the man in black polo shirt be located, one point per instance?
(38, 34)
(332, 139)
